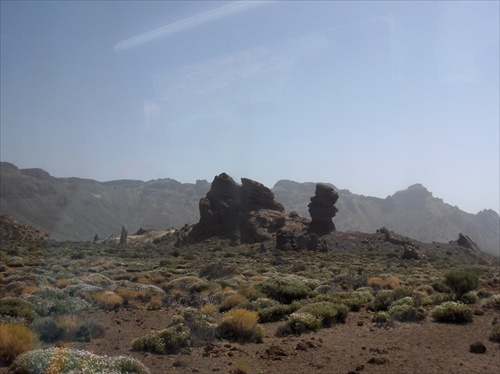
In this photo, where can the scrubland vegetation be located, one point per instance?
(218, 293)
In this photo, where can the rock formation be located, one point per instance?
(244, 213)
(322, 210)
(466, 243)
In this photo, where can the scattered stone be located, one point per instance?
(378, 361)
(477, 347)
(178, 364)
(275, 352)
(410, 253)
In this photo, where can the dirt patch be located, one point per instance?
(354, 347)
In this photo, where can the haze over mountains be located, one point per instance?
(77, 209)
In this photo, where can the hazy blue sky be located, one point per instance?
(370, 96)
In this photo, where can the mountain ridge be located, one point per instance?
(76, 209)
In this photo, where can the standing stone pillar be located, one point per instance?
(322, 210)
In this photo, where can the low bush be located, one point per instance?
(300, 322)
(130, 296)
(436, 299)
(66, 328)
(15, 339)
(381, 317)
(382, 301)
(328, 313)
(169, 340)
(231, 301)
(492, 302)
(353, 300)
(107, 300)
(277, 312)
(65, 361)
(285, 290)
(407, 313)
(240, 325)
(217, 270)
(461, 282)
(384, 283)
(17, 308)
(50, 301)
(495, 333)
(469, 297)
(202, 327)
(452, 312)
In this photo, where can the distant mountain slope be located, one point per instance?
(77, 209)
(413, 212)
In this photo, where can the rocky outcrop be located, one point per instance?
(322, 209)
(244, 213)
(466, 242)
(411, 253)
(12, 230)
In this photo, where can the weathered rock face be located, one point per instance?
(465, 241)
(322, 209)
(246, 213)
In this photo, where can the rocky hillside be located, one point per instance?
(77, 209)
(413, 212)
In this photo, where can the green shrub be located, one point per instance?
(202, 326)
(17, 308)
(240, 325)
(495, 333)
(382, 301)
(353, 300)
(406, 313)
(492, 302)
(89, 330)
(402, 292)
(217, 270)
(66, 328)
(169, 340)
(436, 299)
(65, 361)
(469, 297)
(461, 282)
(381, 317)
(323, 310)
(49, 301)
(285, 290)
(46, 328)
(452, 312)
(276, 312)
(327, 312)
(300, 322)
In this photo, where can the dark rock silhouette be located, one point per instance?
(322, 209)
(466, 242)
(244, 213)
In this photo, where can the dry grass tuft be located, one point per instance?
(63, 282)
(28, 290)
(107, 300)
(14, 340)
(231, 301)
(387, 283)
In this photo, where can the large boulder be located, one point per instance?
(322, 209)
(244, 213)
